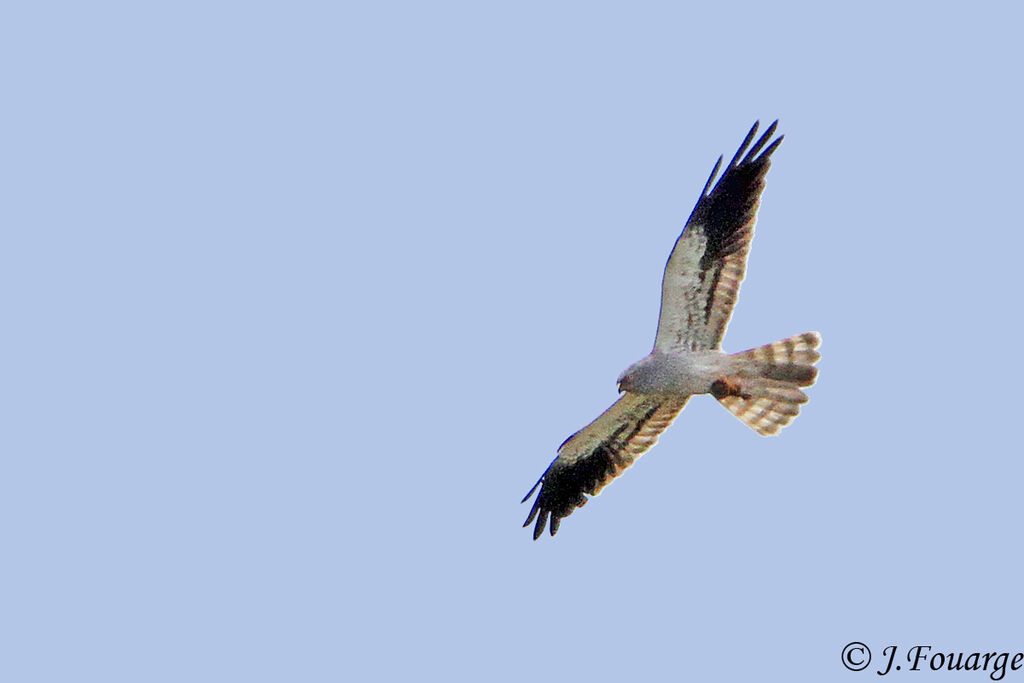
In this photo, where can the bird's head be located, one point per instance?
(625, 382)
(638, 378)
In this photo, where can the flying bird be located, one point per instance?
(760, 386)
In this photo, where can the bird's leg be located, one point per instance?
(727, 386)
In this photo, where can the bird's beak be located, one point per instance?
(621, 390)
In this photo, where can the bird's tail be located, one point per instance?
(764, 391)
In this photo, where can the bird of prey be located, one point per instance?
(760, 386)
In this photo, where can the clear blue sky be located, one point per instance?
(299, 300)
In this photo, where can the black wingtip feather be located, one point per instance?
(743, 147)
(771, 148)
(527, 496)
(541, 521)
(761, 142)
(533, 513)
(714, 172)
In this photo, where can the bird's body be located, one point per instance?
(760, 386)
(677, 373)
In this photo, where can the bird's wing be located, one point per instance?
(589, 459)
(709, 260)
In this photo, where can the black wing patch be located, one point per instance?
(564, 484)
(708, 262)
(726, 213)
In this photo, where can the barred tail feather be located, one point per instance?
(765, 394)
(800, 349)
